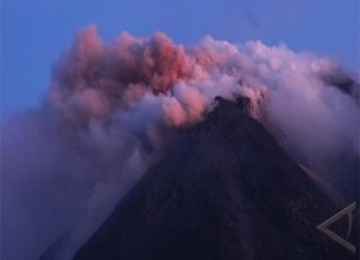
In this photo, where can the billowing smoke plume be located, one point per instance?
(111, 110)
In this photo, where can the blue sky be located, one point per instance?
(34, 32)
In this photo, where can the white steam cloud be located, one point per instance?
(110, 111)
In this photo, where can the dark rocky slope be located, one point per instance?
(226, 190)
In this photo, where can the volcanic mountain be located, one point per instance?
(226, 190)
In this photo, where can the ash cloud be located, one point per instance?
(111, 110)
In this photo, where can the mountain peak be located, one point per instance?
(226, 190)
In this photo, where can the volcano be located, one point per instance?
(226, 190)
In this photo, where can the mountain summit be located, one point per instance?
(226, 190)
